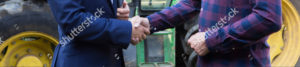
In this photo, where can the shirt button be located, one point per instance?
(154, 28)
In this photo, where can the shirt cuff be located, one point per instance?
(214, 41)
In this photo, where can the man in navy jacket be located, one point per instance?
(90, 34)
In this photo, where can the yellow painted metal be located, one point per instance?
(276, 43)
(285, 48)
(29, 48)
(30, 61)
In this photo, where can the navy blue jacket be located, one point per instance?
(90, 34)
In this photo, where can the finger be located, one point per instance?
(203, 51)
(124, 3)
(145, 23)
(133, 41)
(123, 15)
(138, 21)
(133, 19)
(137, 40)
(193, 45)
(200, 53)
(189, 42)
(140, 39)
(147, 31)
(123, 10)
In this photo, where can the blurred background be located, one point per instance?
(28, 36)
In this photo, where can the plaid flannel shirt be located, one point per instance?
(236, 30)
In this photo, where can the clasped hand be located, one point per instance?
(140, 26)
(140, 29)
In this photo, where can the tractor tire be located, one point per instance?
(184, 53)
(29, 39)
(28, 21)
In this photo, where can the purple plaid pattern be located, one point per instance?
(236, 30)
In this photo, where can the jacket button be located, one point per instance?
(117, 56)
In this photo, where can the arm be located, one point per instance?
(70, 14)
(264, 20)
(175, 15)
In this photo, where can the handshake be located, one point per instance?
(140, 26)
(140, 29)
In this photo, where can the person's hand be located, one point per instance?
(141, 21)
(140, 29)
(123, 12)
(197, 42)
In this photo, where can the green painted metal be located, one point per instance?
(168, 50)
(168, 47)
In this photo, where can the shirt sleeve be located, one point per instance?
(264, 20)
(175, 15)
(71, 15)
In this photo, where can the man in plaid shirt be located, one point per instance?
(231, 32)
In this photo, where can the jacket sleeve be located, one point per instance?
(73, 19)
(175, 15)
(264, 20)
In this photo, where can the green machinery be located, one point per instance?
(158, 50)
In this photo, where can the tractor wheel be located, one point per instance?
(285, 48)
(184, 54)
(28, 39)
